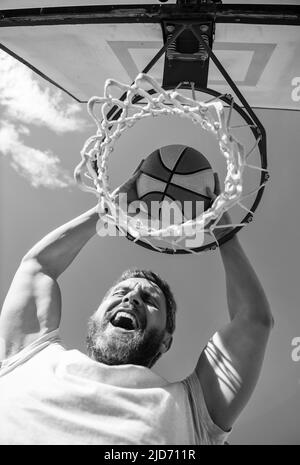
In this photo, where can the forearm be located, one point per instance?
(56, 251)
(245, 294)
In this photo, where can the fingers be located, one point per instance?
(217, 190)
(129, 186)
(210, 193)
(132, 180)
(138, 168)
(135, 174)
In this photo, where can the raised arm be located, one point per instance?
(229, 366)
(33, 304)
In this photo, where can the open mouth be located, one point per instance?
(125, 321)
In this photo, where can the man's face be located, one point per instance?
(129, 326)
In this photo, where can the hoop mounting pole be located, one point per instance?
(149, 66)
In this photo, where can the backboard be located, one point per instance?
(78, 48)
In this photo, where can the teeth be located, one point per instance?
(127, 316)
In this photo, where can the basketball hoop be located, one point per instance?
(97, 149)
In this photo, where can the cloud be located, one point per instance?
(39, 168)
(26, 101)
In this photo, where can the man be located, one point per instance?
(50, 395)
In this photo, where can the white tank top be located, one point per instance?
(50, 395)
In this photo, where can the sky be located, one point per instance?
(41, 134)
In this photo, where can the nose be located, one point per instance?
(134, 297)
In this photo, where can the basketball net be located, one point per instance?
(97, 149)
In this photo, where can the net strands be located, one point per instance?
(210, 115)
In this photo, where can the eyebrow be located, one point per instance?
(144, 292)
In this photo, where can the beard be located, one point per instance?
(138, 347)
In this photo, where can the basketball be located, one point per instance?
(176, 173)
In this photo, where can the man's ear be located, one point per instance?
(164, 347)
(167, 342)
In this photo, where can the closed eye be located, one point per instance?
(149, 298)
(146, 296)
(119, 292)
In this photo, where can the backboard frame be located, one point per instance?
(229, 13)
(145, 13)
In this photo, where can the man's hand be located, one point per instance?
(129, 187)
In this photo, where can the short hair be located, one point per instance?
(163, 285)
